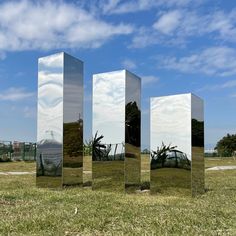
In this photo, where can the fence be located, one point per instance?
(111, 152)
(17, 151)
(5, 151)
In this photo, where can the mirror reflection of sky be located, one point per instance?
(133, 89)
(109, 106)
(197, 108)
(50, 96)
(171, 122)
(73, 89)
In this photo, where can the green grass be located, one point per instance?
(216, 161)
(17, 166)
(27, 210)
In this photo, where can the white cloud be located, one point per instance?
(149, 79)
(226, 85)
(26, 25)
(15, 94)
(29, 112)
(130, 6)
(2, 55)
(175, 27)
(129, 64)
(219, 61)
(144, 37)
(168, 22)
(109, 5)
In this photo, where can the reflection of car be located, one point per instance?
(173, 159)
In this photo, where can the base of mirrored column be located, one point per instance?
(72, 170)
(108, 175)
(171, 181)
(198, 171)
(49, 182)
(49, 168)
(74, 177)
(132, 168)
(87, 171)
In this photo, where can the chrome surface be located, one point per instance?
(116, 131)
(108, 131)
(132, 132)
(60, 121)
(50, 121)
(198, 166)
(73, 121)
(177, 144)
(170, 143)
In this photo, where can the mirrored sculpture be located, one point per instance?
(177, 144)
(116, 131)
(60, 121)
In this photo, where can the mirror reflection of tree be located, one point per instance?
(169, 156)
(103, 152)
(98, 148)
(132, 124)
(160, 155)
(73, 143)
(197, 133)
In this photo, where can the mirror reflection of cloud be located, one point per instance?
(73, 89)
(50, 97)
(133, 88)
(109, 106)
(171, 122)
(197, 108)
(47, 77)
(52, 61)
(73, 102)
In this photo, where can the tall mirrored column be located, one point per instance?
(116, 130)
(132, 132)
(198, 166)
(73, 121)
(173, 151)
(60, 121)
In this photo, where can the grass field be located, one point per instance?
(27, 210)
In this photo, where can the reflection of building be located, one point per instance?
(117, 117)
(60, 120)
(177, 120)
(50, 158)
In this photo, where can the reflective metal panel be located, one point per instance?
(108, 131)
(50, 121)
(132, 132)
(170, 141)
(198, 167)
(60, 121)
(73, 121)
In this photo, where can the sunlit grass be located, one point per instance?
(27, 210)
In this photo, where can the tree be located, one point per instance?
(227, 145)
(98, 148)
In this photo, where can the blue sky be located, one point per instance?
(176, 46)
